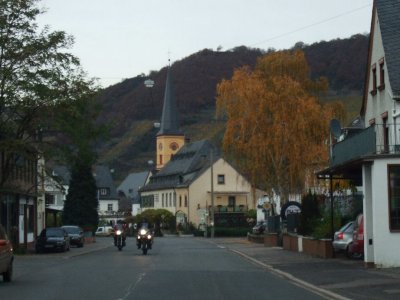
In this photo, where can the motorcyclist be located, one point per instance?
(144, 224)
(120, 225)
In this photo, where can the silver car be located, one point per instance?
(343, 237)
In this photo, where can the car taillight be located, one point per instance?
(340, 236)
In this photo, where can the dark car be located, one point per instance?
(6, 256)
(343, 237)
(75, 234)
(52, 238)
(260, 227)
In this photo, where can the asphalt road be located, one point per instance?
(176, 268)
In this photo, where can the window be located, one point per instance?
(186, 202)
(180, 201)
(381, 74)
(231, 201)
(373, 92)
(160, 159)
(109, 207)
(221, 179)
(103, 192)
(49, 199)
(162, 200)
(394, 197)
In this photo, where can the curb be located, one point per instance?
(317, 290)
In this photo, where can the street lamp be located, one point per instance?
(148, 83)
(212, 194)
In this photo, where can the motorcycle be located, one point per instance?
(119, 242)
(144, 240)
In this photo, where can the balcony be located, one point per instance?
(221, 209)
(375, 140)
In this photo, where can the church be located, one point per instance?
(192, 179)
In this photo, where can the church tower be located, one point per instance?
(169, 138)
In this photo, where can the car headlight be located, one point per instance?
(143, 231)
(119, 232)
(138, 237)
(149, 237)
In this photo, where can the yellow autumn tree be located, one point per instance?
(276, 130)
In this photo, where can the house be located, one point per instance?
(368, 152)
(18, 197)
(129, 187)
(193, 180)
(106, 192)
(197, 180)
(52, 190)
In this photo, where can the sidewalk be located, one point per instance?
(336, 278)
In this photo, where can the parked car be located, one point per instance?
(260, 227)
(104, 231)
(52, 238)
(6, 256)
(343, 237)
(75, 234)
(356, 247)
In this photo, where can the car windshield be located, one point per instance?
(54, 232)
(72, 230)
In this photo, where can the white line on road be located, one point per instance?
(132, 287)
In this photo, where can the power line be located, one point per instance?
(311, 25)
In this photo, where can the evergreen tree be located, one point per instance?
(81, 205)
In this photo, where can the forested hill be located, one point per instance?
(130, 106)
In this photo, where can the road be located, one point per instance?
(176, 268)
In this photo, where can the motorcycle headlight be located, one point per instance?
(143, 231)
(149, 237)
(119, 232)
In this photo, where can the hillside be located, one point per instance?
(132, 108)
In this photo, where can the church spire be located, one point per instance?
(169, 119)
(170, 138)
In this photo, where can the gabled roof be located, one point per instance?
(101, 173)
(389, 22)
(62, 174)
(387, 12)
(184, 167)
(133, 182)
(170, 118)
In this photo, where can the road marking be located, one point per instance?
(132, 287)
(221, 247)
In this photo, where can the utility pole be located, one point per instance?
(212, 193)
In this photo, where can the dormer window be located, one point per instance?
(373, 91)
(381, 74)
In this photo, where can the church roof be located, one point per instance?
(184, 167)
(170, 118)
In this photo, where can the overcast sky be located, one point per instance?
(118, 39)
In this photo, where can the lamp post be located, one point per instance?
(212, 194)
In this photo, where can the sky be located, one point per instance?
(119, 39)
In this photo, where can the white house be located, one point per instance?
(370, 153)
